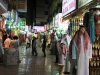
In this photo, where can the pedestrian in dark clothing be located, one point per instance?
(34, 45)
(44, 45)
(56, 52)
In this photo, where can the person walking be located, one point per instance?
(44, 45)
(34, 45)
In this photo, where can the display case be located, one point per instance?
(75, 22)
(94, 65)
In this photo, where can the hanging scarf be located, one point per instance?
(64, 51)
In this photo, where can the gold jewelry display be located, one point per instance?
(95, 63)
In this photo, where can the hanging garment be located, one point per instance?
(82, 57)
(97, 20)
(89, 22)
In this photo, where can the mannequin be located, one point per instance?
(62, 54)
(97, 20)
(89, 22)
(81, 51)
(67, 39)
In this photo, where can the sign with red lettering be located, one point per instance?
(68, 6)
(59, 22)
(83, 2)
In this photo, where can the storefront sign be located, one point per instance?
(68, 6)
(59, 23)
(22, 5)
(38, 29)
(58, 18)
(83, 2)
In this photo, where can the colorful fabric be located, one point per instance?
(89, 22)
(97, 19)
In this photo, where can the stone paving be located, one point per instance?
(32, 65)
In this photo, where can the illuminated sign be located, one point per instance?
(22, 5)
(68, 6)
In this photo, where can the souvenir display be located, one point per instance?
(75, 22)
(95, 61)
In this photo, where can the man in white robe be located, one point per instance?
(81, 52)
(68, 39)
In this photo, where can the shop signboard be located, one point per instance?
(22, 5)
(38, 29)
(83, 2)
(58, 19)
(68, 6)
(59, 23)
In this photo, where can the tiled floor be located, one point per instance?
(32, 65)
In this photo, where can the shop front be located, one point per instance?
(61, 27)
(87, 13)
